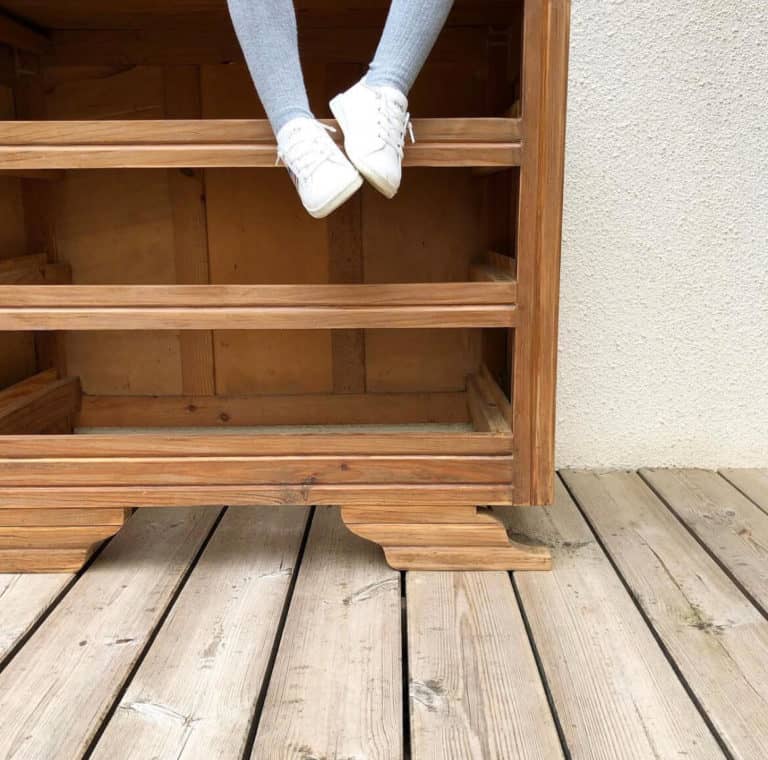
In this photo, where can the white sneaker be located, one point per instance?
(374, 121)
(322, 174)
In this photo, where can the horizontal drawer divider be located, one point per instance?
(260, 470)
(223, 296)
(256, 317)
(360, 494)
(230, 143)
(151, 445)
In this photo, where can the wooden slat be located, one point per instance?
(336, 688)
(11, 395)
(61, 537)
(44, 561)
(205, 444)
(751, 482)
(438, 513)
(431, 534)
(733, 528)
(474, 687)
(36, 411)
(613, 689)
(287, 409)
(195, 692)
(235, 156)
(716, 637)
(485, 412)
(56, 691)
(412, 494)
(246, 132)
(255, 318)
(23, 601)
(262, 470)
(461, 558)
(200, 296)
(492, 393)
(29, 518)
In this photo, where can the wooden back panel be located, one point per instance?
(247, 226)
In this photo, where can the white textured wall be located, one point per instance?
(664, 316)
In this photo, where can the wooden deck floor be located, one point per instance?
(274, 633)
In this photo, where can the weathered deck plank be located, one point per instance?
(752, 482)
(732, 527)
(615, 693)
(55, 693)
(194, 694)
(475, 691)
(24, 599)
(717, 638)
(336, 688)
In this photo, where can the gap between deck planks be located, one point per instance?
(56, 691)
(716, 637)
(475, 690)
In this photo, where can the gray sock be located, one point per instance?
(267, 33)
(410, 34)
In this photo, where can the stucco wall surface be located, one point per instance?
(663, 354)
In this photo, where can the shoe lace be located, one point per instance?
(394, 122)
(306, 150)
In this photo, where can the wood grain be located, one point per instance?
(195, 692)
(190, 296)
(474, 687)
(186, 189)
(717, 639)
(614, 691)
(751, 482)
(534, 346)
(24, 599)
(733, 528)
(203, 443)
(267, 409)
(81, 655)
(336, 687)
(254, 318)
(259, 470)
(34, 408)
(395, 494)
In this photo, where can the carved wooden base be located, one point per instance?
(443, 538)
(53, 540)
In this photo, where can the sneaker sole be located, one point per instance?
(339, 199)
(384, 187)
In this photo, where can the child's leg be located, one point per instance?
(267, 33)
(409, 35)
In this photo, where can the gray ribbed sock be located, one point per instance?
(267, 33)
(268, 36)
(410, 34)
